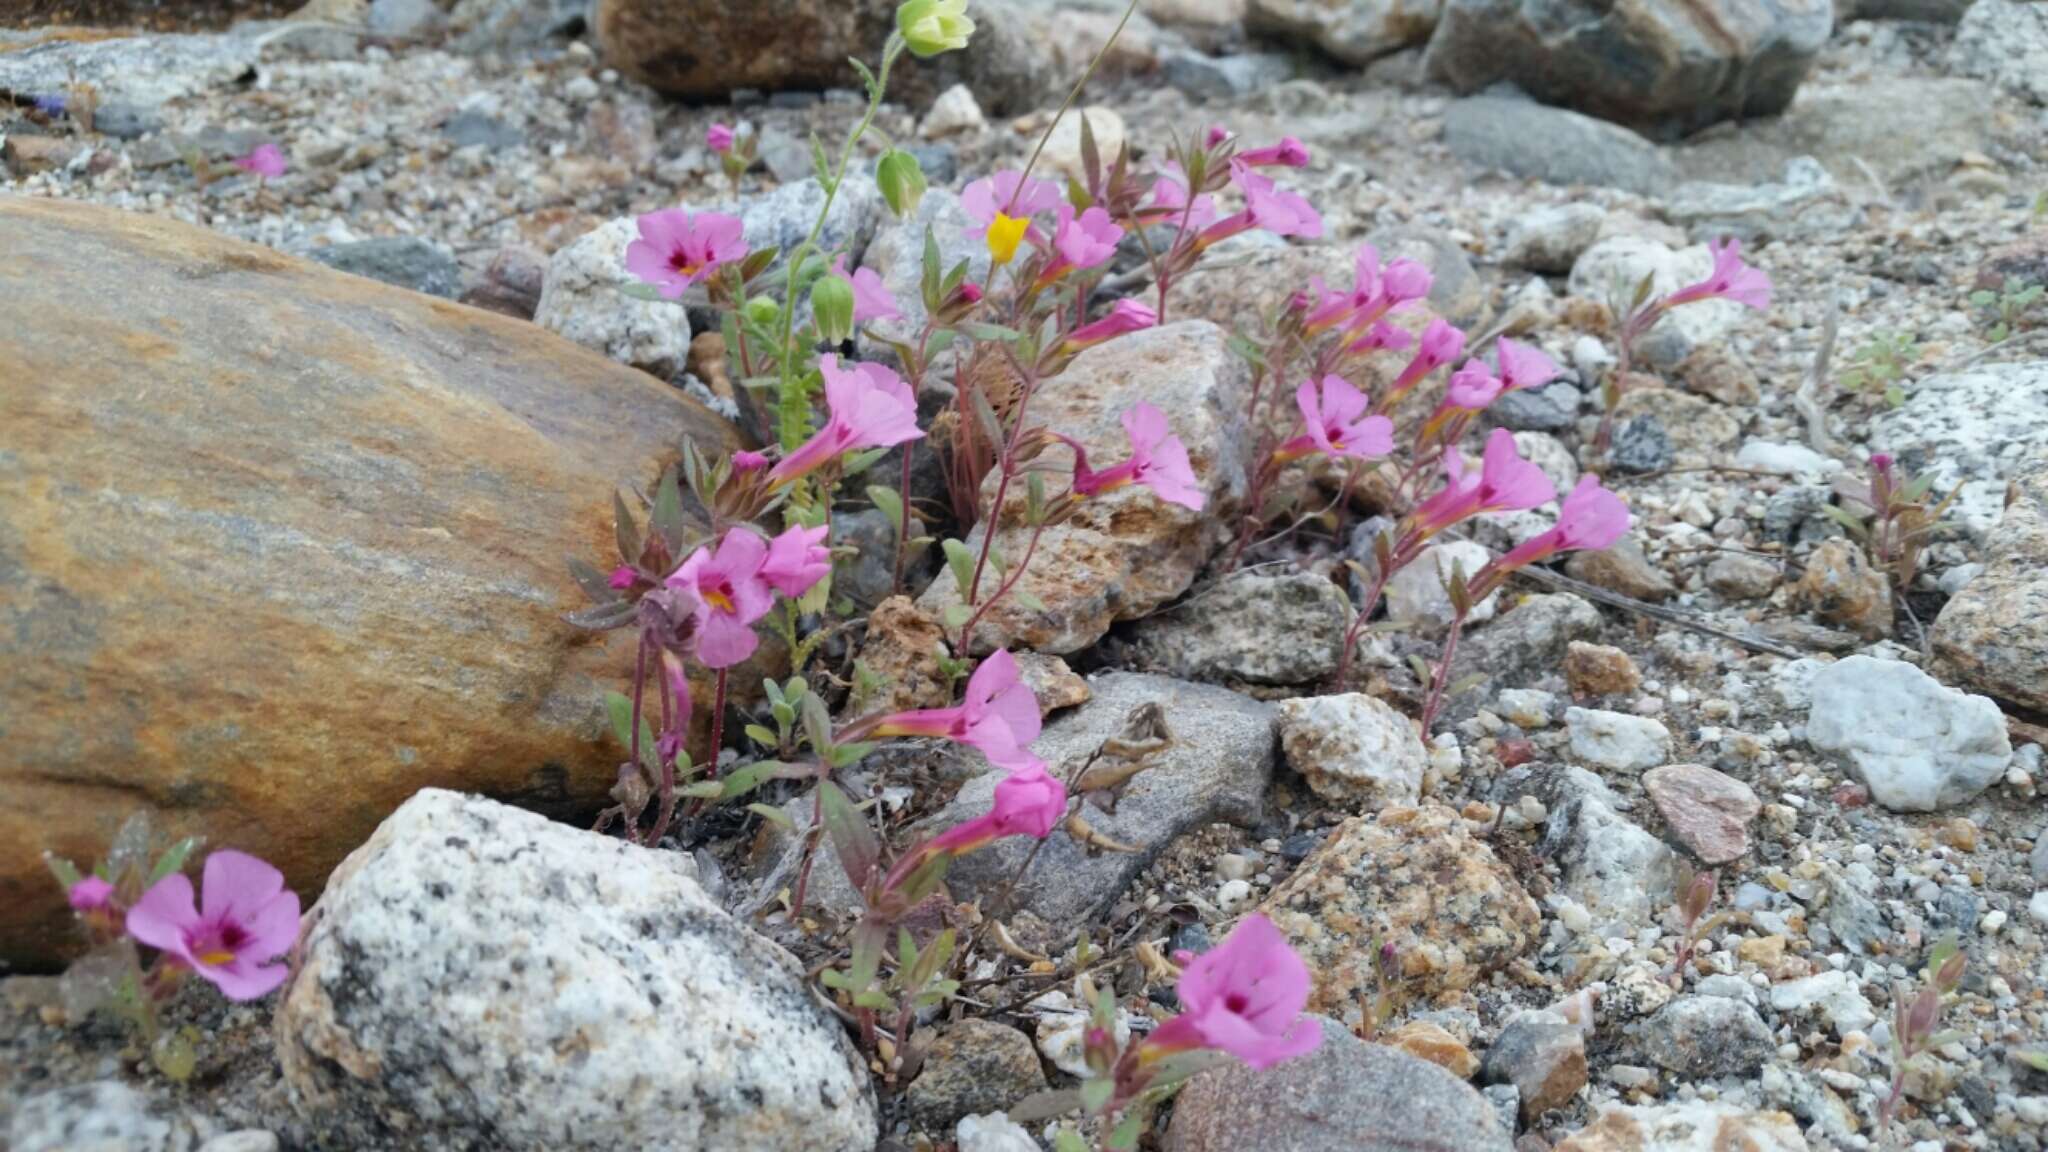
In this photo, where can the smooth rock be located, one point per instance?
(477, 969)
(581, 300)
(1742, 577)
(146, 71)
(1530, 639)
(1062, 152)
(1356, 32)
(1599, 670)
(1663, 66)
(1691, 1126)
(1806, 205)
(511, 283)
(1549, 239)
(1979, 427)
(1717, 372)
(1250, 626)
(1346, 1096)
(1419, 598)
(1617, 741)
(1551, 408)
(992, 1133)
(1417, 877)
(1834, 996)
(1429, 1041)
(1214, 765)
(1543, 1055)
(1696, 431)
(1708, 811)
(1785, 459)
(1455, 290)
(1918, 745)
(246, 1140)
(1353, 748)
(1124, 553)
(955, 111)
(401, 261)
(1993, 635)
(2006, 43)
(1904, 129)
(1703, 1037)
(974, 1067)
(1554, 145)
(1230, 77)
(1625, 569)
(1610, 270)
(355, 512)
(100, 1116)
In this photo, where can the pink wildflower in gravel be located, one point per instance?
(246, 920)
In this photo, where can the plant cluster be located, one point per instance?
(1916, 1015)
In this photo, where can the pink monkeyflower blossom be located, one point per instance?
(1028, 802)
(1126, 317)
(1473, 387)
(90, 894)
(1731, 279)
(1383, 336)
(1288, 153)
(1158, 461)
(870, 407)
(797, 559)
(1007, 193)
(1266, 206)
(1441, 343)
(1245, 997)
(1215, 137)
(1081, 242)
(623, 577)
(719, 137)
(871, 298)
(1591, 519)
(245, 920)
(1170, 204)
(997, 715)
(1504, 482)
(676, 249)
(744, 461)
(1335, 414)
(1524, 366)
(1405, 280)
(265, 160)
(731, 595)
(1325, 307)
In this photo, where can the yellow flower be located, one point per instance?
(930, 27)
(1004, 234)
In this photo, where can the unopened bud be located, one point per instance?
(763, 310)
(930, 27)
(832, 309)
(902, 181)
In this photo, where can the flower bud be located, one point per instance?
(901, 180)
(832, 309)
(930, 27)
(763, 310)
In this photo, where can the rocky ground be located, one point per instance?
(1732, 688)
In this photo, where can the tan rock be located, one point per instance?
(1713, 371)
(1124, 553)
(902, 648)
(1710, 812)
(1624, 569)
(1842, 588)
(1432, 1043)
(282, 546)
(1693, 1126)
(1418, 878)
(1700, 430)
(1056, 685)
(1599, 670)
(1993, 636)
(1764, 951)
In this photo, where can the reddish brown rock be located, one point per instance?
(1843, 588)
(1599, 670)
(280, 546)
(1709, 812)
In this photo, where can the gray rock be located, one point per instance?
(246, 1140)
(1506, 1102)
(1346, 1096)
(1663, 66)
(1354, 31)
(1529, 641)
(1978, 427)
(1707, 1036)
(1251, 627)
(897, 256)
(475, 128)
(1550, 238)
(1455, 290)
(214, 144)
(1921, 11)
(1740, 577)
(1622, 875)
(867, 577)
(102, 1116)
(1223, 77)
(1215, 766)
(510, 25)
(1918, 745)
(1617, 741)
(1610, 271)
(1543, 1055)
(2005, 42)
(2038, 861)
(403, 261)
(1833, 996)
(1806, 204)
(1852, 916)
(404, 19)
(477, 969)
(1554, 145)
(975, 1067)
(1354, 748)
(1551, 408)
(581, 299)
(1418, 597)
(125, 121)
(145, 71)
(1903, 129)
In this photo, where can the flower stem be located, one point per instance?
(717, 719)
(1443, 675)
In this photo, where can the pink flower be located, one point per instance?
(90, 894)
(1267, 206)
(797, 559)
(265, 160)
(744, 462)
(1441, 343)
(871, 299)
(1215, 137)
(870, 407)
(1523, 366)
(1007, 193)
(1288, 153)
(1029, 802)
(719, 138)
(1158, 461)
(1405, 280)
(623, 577)
(1472, 387)
(247, 920)
(1337, 423)
(731, 595)
(1382, 337)
(1590, 519)
(1244, 997)
(1126, 317)
(1504, 483)
(1170, 204)
(998, 715)
(1081, 242)
(676, 249)
(1731, 279)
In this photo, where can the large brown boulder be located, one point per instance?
(280, 546)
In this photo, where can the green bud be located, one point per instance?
(930, 27)
(763, 310)
(832, 309)
(901, 180)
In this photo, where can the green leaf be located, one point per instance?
(852, 839)
(1068, 1140)
(595, 584)
(625, 532)
(890, 504)
(747, 777)
(646, 292)
(931, 272)
(64, 870)
(847, 755)
(1028, 599)
(1095, 1094)
(668, 512)
(994, 332)
(855, 463)
(174, 857)
(703, 790)
(762, 736)
(1126, 1133)
(773, 815)
(961, 562)
(2035, 1058)
(956, 616)
(873, 999)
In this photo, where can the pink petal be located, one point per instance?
(237, 885)
(164, 915)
